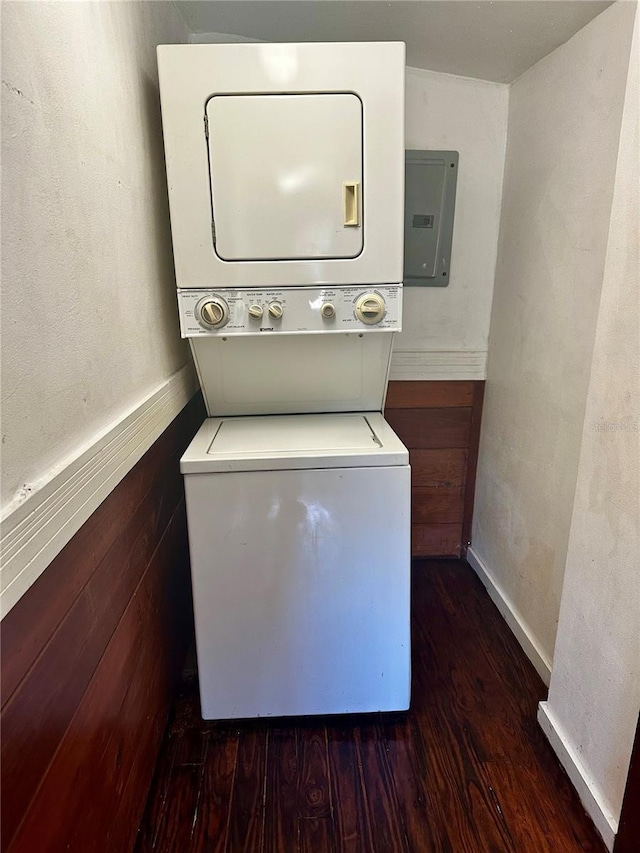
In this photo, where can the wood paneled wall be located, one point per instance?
(440, 424)
(90, 660)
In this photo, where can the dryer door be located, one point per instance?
(286, 176)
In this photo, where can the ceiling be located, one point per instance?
(489, 40)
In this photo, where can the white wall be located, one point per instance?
(564, 123)
(93, 368)
(446, 329)
(594, 698)
(89, 318)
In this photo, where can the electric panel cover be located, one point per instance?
(430, 198)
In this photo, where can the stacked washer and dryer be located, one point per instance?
(285, 166)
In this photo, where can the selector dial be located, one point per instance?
(328, 310)
(256, 312)
(212, 312)
(275, 310)
(370, 308)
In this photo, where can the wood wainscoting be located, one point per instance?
(439, 421)
(91, 656)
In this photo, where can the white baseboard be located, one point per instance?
(438, 364)
(36, 529)
(523, 633)
(591, 799)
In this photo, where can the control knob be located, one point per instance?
(328, 310)
(256, 312)
(212, 312)
(370, 308)
(275, 310)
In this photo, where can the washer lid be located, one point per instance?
(293, 442)
(298, 434)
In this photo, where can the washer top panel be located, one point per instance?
(272, 443)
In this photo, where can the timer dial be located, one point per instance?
(212, 312)
(370, 308)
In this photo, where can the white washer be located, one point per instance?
(299, 531)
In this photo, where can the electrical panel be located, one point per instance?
(430, 200)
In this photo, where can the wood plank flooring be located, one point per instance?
(466, 770)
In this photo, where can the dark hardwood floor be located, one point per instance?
(466, 770)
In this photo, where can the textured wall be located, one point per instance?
(595, 684)
(469, 116)
(564, 126)
(89, 325)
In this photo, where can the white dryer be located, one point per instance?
(285, 168)
(285, 162)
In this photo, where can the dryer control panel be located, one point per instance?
(290, 310)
